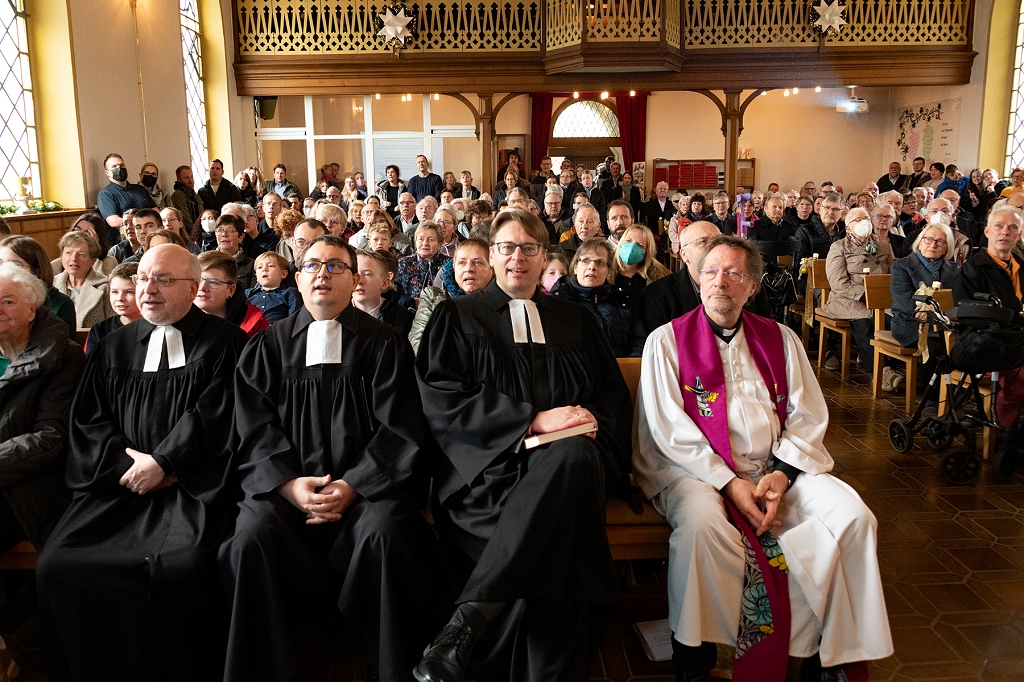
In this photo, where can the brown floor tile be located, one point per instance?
(921, 645)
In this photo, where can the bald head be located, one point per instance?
(692, 242)
(952, 196)
(163, 305)
(941, 206)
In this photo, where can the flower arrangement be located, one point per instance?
(38, 205)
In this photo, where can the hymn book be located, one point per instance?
(545, 438)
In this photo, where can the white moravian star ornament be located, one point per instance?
(395, 28)
(830, 17)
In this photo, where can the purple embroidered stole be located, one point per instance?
(762, 651)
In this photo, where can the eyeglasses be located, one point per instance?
(335, 267)
(508, 248)
(832, 209)
(595, 261)
(934, 241)
(730, 275)
(886, 218)
(214, 283)
(159, 280)
(445, 223)
(224, 231)
(700, 242)
(300, 242)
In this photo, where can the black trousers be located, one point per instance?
(863, 331)
(11, 532)
(383, 555)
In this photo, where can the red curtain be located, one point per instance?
(540, 128)
(632, 113)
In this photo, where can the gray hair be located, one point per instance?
(1003, 206)
(428, 200)
(891, 193)
(755, 262)
(947, 234)
(834, 197)
(585, 206)
(32, 288)
(555, 189)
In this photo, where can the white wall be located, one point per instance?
(107, 83)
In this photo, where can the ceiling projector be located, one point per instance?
(855, 105)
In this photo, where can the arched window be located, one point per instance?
(1015, 139)
(586, 119)
(19, 159)
(195, 95)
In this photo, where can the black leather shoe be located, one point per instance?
(446, 658)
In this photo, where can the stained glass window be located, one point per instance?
(195, 96)
(1015, 140)
(586, 119)
(18, 153)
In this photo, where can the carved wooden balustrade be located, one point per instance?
(539, 43)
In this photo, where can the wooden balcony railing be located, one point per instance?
(296, 27)
(727, 24)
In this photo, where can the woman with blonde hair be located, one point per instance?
(284, 226)
(635, 264)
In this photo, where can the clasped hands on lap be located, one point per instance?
(145, 475)
(325, 506)
(759, 503)
(558, 418)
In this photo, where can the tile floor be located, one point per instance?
(952, 561)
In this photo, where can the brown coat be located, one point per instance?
(844, 269)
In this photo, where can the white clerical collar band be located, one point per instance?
(323, 343)
(175, 348)
(524, 312)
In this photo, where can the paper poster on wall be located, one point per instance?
(931, 131)
(639, 171)
(400, 151)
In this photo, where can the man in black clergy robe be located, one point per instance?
(128, 583)
(522, 530)
(674, 296)
(333, 472)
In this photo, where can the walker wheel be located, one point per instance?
(900, 436)
(961, 467)
(940, 436)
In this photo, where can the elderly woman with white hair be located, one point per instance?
(82, 283)
(39, 369)
(930, 261)
(848, 261)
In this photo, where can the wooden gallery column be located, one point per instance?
(485, 117)
(732, 125)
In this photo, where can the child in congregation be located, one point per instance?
(122, 300)
(556, 268)
(378, 238)
(276, 302)
(376, 279)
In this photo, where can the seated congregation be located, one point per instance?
(275, 390)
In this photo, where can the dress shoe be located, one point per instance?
(446, 658)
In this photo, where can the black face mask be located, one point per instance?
(119, 174)
(149, 181)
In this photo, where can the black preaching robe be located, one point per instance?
(481, 391)
(128, 585)
(360, 421)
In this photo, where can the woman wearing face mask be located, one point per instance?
(202, 231)
(848, 261)
(588, 285)
(635, 264)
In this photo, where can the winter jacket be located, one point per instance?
(844, 268)
(608, 306)
(35, 405)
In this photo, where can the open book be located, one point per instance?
(544, 438)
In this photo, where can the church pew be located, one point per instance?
(633, 536)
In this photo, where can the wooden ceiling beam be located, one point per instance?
(702, 69)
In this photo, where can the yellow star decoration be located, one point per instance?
(830, 17)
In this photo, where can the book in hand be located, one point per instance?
(544, 438)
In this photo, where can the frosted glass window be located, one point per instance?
(18, 152)
(586, 119)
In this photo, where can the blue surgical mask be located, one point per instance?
(631, 253)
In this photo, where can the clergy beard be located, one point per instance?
(723, 308)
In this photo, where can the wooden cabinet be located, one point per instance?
(45, 228)
(702, 175)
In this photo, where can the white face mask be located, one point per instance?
(209, 225)
(862, 228)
